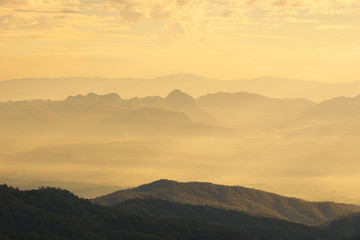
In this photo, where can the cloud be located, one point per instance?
(205, 11)
(39, 11)
(336, 27)
(301, 20)
(196, 19)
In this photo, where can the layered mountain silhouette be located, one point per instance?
(234, 134)
(60, 88)
(179, 112)
(179, 99)
(251, 201)
(245, 100)
(244, 109)
(176, 100)
(336, 117)
(335, 109)
(104, 113)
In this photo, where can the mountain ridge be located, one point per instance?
(53, 213)
(50, 213)
(58, 88)
(255, 202)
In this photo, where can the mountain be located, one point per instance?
(177, 101)
(335, 109)
(50, 213)
(249, 101)
(251, 201)
(336, 117)
(246, 110)
(53, 213)
(177, 98)
(254, 227)
(104, 114)
(183, 102)
(349, 226)
(59, 88)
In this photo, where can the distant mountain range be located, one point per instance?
(251, 201)
(334, 109)
(244, 110)
(93, 113)
(60, 88)
(179, 114)
(235, 134)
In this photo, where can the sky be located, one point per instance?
(226, 39)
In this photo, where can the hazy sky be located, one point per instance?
(228, 39)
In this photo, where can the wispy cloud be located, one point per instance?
(180, 16)
(173, 27)
(337, 27)
(43, 11)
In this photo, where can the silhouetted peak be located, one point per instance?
(177, 97)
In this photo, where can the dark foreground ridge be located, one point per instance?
(49, 213)
(247, 200)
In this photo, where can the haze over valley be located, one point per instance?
(179, 119)
(291, 146)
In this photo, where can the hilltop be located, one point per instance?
(247, 200)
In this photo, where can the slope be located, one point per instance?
(246, 110)
(255, 227)
(50, 213)
(254, 202)
(100, 115)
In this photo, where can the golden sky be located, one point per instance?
(227, 39)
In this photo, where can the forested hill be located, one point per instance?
(252, 226)
(243, 199)
(50, 213)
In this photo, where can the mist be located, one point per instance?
(93, 144)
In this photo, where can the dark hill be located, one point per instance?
(255, 227)
(251, 201)
(50, 213)
(348, 226)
